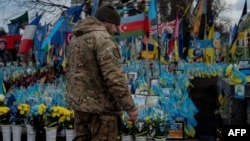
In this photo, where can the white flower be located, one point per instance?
(2, 98)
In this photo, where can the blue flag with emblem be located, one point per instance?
(14, 28)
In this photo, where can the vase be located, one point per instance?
(127, 138)
(6, 132)
(16, 132)
(51, 134)
(140, 138)
(70, 134)
(31, 133)
(163, 139)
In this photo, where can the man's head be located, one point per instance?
(3, 44)
(109, 16)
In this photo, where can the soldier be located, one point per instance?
(5, 55)
(97, 87)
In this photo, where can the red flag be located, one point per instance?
(12, 41)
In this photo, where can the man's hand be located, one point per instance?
(133, 116)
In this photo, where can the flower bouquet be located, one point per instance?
(159, 126)
(68, 124)
(56, 116)
(68, 119)
(127, 128)
(36, 120)
(19, 114)
(36, 116)
(4, 111)
(4, 119)
(142, 127)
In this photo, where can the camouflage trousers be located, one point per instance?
(95, 127)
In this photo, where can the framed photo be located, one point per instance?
(239, 91)
(132, 76)
(176, 131)
(140, 102)
(151, 101)
(244, 64)
(154, 82)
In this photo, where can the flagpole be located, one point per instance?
(158, 40)
(205, 33)
(147, 63)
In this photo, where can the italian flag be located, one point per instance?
(28, 35)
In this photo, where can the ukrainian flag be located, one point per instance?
(152, 49)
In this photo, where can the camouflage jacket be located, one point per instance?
(96, 82)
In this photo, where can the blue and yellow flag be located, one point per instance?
(152, 49)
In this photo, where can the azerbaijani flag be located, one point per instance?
(136, 25)
(28, 35)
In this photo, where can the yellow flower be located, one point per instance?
(61, 120)
(22, 112)
(23, 109)
(41, 109)
(129, 123)
(147, 119)
(68, 118)
(4, 110)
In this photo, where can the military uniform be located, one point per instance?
(96, 84)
